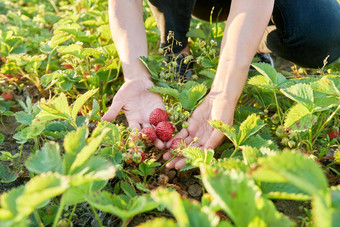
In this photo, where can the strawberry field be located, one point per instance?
(279, 164)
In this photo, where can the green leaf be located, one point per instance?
(156, 222)
(45, 160)
(302, 94)
(267, 71)
(95, 169)
(59, 38)
(283, 191)
(81, 101)
(8, 202)
(326, 85)
(237, 194)
(295, 169)
(6, 156)
(114, 204)
(187, 214)
(61, 104)
(299, 118)
(261, 81)
(73, 143)
(196, 156)
(196, 33)
(6, 175)
(166, 91)
(210, 73)
(87, 151)
(249, 127)
(23, 117)
(73, 49)
(87, 52)
(39, 189)
(250, 154)
(258, 142)
(196, 93)
(227, 130)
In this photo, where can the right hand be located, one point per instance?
(137, 102)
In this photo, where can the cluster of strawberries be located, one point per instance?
(161, 129)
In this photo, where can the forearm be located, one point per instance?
(244, 29)
(128, 33)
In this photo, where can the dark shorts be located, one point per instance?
(307, 31)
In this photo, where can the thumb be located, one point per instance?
(114, 109)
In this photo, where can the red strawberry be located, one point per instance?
(7, 96)
(164, 130)
(158, 115)
(148, 134)
(333, 133)
(68, 66)
(97, 67)
(178, 143)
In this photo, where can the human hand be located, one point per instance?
(214, 107)
(134, 99)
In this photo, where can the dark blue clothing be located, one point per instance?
(307, 30)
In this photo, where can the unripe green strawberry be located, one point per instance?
(164, 131)
(157, 115)
(148, 134)
(291, 144)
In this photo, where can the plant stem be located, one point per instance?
(324, 124)
(37, 218)
(278, 108)
(72, 213)
(54, 6)
(234, 152)
(18, 162)
(96, 215)
(60, 211)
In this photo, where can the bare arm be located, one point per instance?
(244, 29)
(128, 33)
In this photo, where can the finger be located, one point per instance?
(113, 111)
(214, 140)
(188, 140)
(181, 163)
(159, 143)
(167, 155)
(182, 134)
(146, 125)
(173, 162)
(134, 125)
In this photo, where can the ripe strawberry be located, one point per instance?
(7, 96)
(164, 130)
(158, 115)
(68, 66)
(333, 133)
(97, 67)
(148, 134)
(178, 143)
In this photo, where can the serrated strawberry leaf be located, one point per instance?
(249, 127)
(6, 175)
(185, 212)
(237, 194)
(299, 118)
(302, 94)
(227, 130)
(267, 71)
(45, 160)
(114, 204)
(293, 168)
(166, 91)
(326, 85)
(81, 101)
